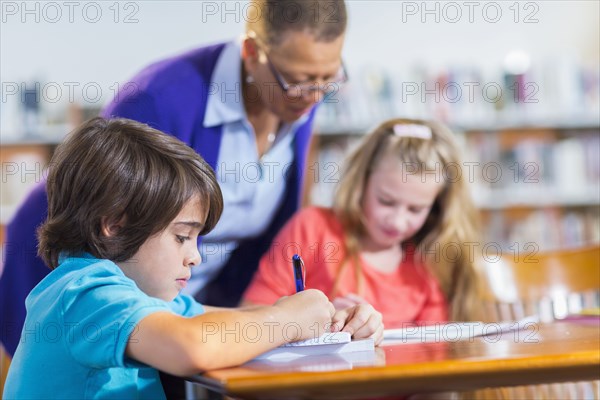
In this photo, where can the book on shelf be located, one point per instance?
(563, 164)
(547, 228)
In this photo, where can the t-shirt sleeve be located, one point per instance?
(101, 311)
(274, 277)
(186, 306)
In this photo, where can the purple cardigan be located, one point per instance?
(169, 95)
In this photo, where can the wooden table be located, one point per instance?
(544, 353)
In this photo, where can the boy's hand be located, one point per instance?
(310, 309)
(361, 321)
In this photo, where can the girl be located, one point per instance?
(126, 206)
(400, 235)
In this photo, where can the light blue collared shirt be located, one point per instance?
(252, 188)
(80, 318)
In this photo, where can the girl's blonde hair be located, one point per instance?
(452, 224)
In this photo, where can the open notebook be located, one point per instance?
(328, 343)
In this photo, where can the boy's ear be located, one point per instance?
(110, 226)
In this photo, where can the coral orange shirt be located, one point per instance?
(409, 294)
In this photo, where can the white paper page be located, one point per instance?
(326, 338)
(329, 344)
(453, 331)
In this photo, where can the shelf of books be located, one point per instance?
(531, 146)
(531, 143)
(537, 185)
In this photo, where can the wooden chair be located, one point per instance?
(550, 285)
(4, 364)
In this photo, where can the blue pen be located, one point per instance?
(298, 266)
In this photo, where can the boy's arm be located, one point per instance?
(248, 304)
(358, 318)
(354, 315)
(244, 306)
(214, 309)
(185, 346)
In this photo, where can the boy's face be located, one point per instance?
(396, 203)
(162, 265)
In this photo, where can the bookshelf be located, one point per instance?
(539, 129)
(530, 141)
(549, 194)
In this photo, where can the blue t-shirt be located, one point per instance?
(79, 319)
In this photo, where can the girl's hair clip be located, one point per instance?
(412, 130)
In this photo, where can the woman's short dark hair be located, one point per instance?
(121, 170)
(270, 19)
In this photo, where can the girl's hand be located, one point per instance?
(349, 300)
(361, 321)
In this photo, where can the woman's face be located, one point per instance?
(298, 59)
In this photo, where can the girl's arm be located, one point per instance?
(224, 338)
(349, 300)
(361, 321)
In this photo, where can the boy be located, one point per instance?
(126, 205)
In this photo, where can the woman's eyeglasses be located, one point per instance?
(305, 88)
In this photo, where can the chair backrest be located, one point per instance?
(4, 364)
(550, 285)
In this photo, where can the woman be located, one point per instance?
(255, 138)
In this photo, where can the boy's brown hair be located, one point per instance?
(120, 170)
